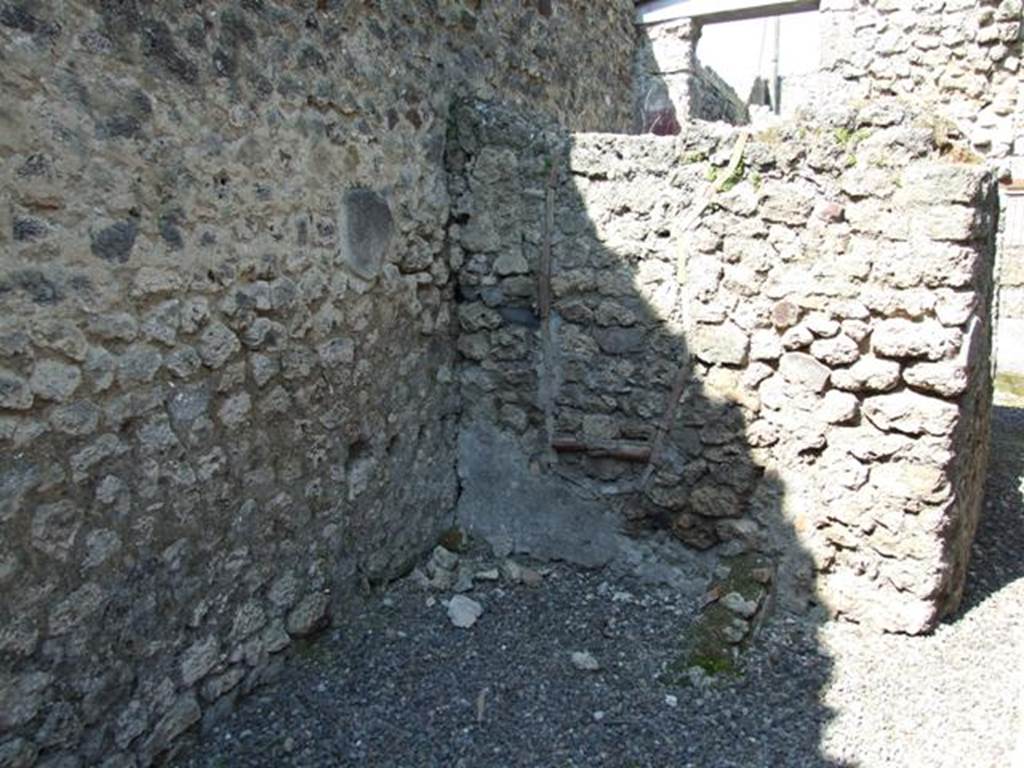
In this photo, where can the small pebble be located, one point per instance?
(531, 578)
(585, 661)
(463, 611)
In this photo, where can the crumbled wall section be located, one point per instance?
(673, 87)
(825, 319)
(717, 100)
(226, 350)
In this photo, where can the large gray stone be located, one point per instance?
(911, 413)
(217, 345)
(948, 378)
(198, 659)
(309, 616)
(182, 715)
(899, 338)
(54, 380)
(55, 527)
(869, 374)
(725, 344)
(15, 392)
(365, 225)
(802, 370)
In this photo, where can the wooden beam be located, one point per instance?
(712, 11)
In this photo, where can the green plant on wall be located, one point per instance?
(735, 177)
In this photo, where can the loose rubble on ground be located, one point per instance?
(474, 660)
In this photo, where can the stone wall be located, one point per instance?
(958, 58)
(717, 100)
(778, 347)
(1010, 354)
(226, 354)
(958, 62)
(672, 87)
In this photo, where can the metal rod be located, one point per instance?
(776, 80)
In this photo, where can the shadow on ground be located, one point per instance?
(396, 685)
(996, 559)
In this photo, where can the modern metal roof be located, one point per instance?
(709, 11)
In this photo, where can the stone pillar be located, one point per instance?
(666, 75)
(1009, 354)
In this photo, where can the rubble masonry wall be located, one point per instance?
(226, 354)
(823, 322)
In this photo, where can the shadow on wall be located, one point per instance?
(590, 433)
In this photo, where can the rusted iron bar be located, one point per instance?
(637, 452)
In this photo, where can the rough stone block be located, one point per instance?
(937, 183)
(724, 344)
(309, 615)
(366, 225)
(15, 391)
(837, 351)
(947, 378)
(802, 370)
(53, 380)
(904, 339)
(911, 413)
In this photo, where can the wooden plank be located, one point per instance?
(544, 288)
(713, 11)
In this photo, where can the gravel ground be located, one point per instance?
(955, 698)
(397, 685)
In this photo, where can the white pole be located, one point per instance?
(776, 80)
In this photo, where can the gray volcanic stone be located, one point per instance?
(463, 612)
(840, 350)
(899, 338)
(726, 344)
(366, 226)
(54, 528)
(115, 243)
(712, 500)
(15, 392)
(138, 364)
(802, 370)
(869, 374)
(199, 659)
(911, 413)
(947, 378)
(183, 714)
(53, 380)
(308, 616)
(81, 418)
(217, 345)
